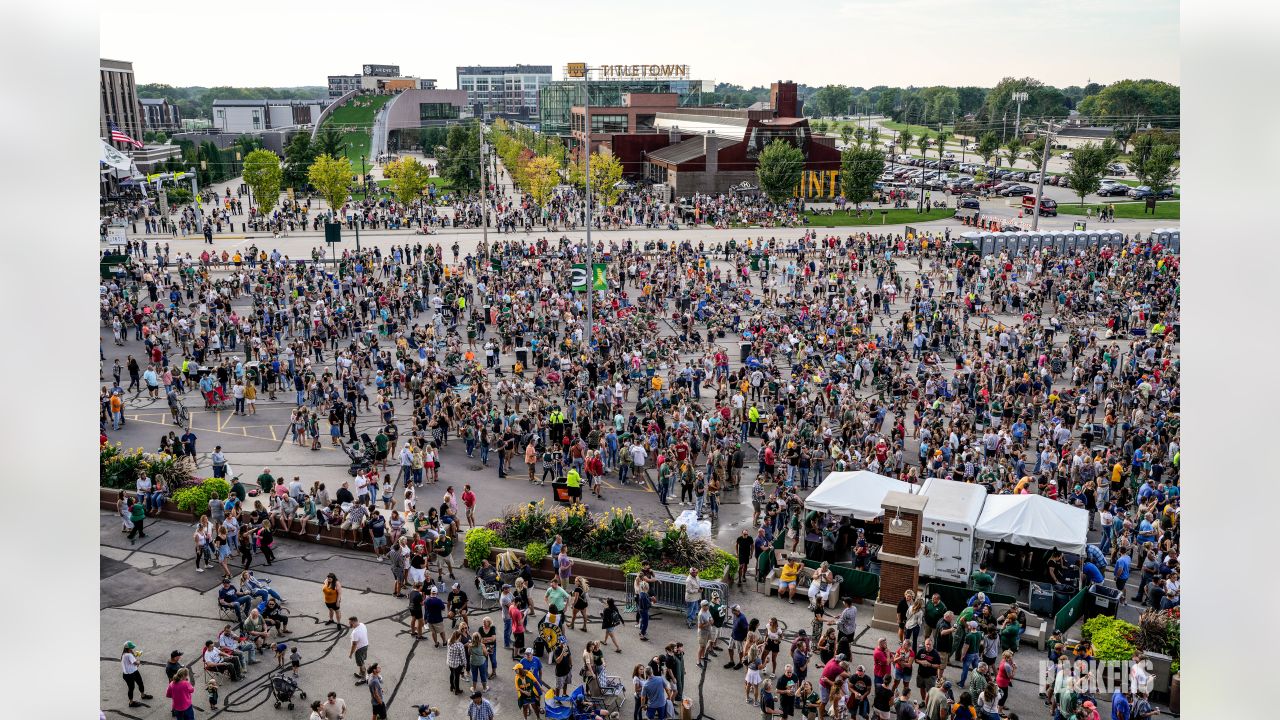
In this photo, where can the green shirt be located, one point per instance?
(138, 512)
(933, 612)
(266, 482)
(973, 641)
(557, 596)
(982, 581)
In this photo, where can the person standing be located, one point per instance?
(137, 516)
(332, 593)
(359, 647)
(179, 693)
(375, 692)
(480, 708)
(131, 669)
(692, 596)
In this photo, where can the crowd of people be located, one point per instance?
(1048, 374)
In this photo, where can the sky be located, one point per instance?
(747, 42)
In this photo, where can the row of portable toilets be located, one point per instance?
(989, 243)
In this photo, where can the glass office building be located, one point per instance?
(556, 100)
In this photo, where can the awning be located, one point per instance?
(854, 494)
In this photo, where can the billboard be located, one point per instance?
(382, 70)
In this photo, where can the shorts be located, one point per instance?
(436, 627)
(361, 654)
(417, 575)
(899, 674)
(379, 541)
(348, 525)
(785, 585)
(379, 711)
(704, 639)
(924, 682)
(398, 574)
(332, 606)
(735, 646)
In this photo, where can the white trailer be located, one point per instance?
(948, 550)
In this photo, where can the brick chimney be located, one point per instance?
(899, 554)
(709, 148)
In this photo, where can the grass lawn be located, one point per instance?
(1165, 210)
(894, 217)
(355, 118)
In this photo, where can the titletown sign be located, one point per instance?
(678, 72)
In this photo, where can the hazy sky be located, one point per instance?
(749, 42)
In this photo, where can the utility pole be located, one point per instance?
(1044, 162)
(591, 268)
(484, 200)
(1019, 97)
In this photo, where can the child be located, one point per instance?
(280, 649)
(819, 622)
(387, 497)
(751, 683)
(212, 690)
(295, 660)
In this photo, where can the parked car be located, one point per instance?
(949, 156)
(1017, 189)
(1143, 191)
(1018, 176)
(1113, 189)
(969, 203)
(1117, 169)
(1066, 155)
(1048, 206)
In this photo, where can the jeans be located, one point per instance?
(644, 622)
(970, 662)
(506, 631)
(664, 489)
(480, 674)
(691, 611)
(623, 469)
(266, 593)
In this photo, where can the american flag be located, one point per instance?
(117, 135)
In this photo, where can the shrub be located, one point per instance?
(535, 553)
(195, 498)
(1112, 639)
(477, 546)
(719, 561)
(632, 565)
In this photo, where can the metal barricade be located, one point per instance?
(667, 590)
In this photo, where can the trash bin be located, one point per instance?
(1041, 599)
(1103, 601)
(560, 491)
(745, 352)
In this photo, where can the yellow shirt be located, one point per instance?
(789, 572)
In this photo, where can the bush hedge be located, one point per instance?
(195, 498)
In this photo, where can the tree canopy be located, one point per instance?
(262, 173)
(331, 177)
(779, 170)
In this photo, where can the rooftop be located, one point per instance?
(690, 149)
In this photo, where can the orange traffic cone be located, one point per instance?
(1019, 213)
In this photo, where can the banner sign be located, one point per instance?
(115, 158)
(578, 277)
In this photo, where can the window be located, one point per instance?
(257, 119)
(437, 111)
(608, 123)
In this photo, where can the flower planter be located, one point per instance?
(598, 575)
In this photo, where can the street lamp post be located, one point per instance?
(1044, 163)
(365, 182)
(582, 71)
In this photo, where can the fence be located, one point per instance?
(667, 590)
(956, 597)
(1072, 611)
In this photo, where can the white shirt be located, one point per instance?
(359, 636)
(213, 655)
(128, 662)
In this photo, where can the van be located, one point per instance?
(1048, 206)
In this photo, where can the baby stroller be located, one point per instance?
(283, 686)
(361, 455)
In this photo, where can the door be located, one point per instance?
(950, 559)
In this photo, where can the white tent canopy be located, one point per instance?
(854, 494)
(1034, 520)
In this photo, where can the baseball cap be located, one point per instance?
(476, 694)
(528, 651)
(129, 645)
(704, 602)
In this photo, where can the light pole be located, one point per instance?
(365, 181)
(580, 70)
(484, 199)
(1018, 97)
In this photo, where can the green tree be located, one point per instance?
(1112, 149)
(820, 126)
(1157, 171)
(779, 170)
(432, 138)
(408, 178)
(1088, 164)
(330, 142)
(1122, 132)
(298, 156)
(542, 174)
(859, 170)
(832, 100)
(331, 177)
(904, 139)
(874, 137)
(1143, 144)
(987, 147)
(942, 139)
(606, 172)
(859, 136)
(922, 144)
(460, 164)
(1013, 151)
(1035, 152)
(262, 173)
(845, 134)
(1159, 101)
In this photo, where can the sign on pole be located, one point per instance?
(332, 232)
(116, 236)
(600, 277)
